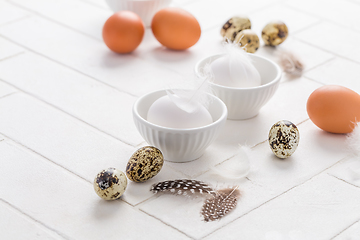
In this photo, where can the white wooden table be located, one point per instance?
(65, 114)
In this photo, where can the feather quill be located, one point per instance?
(220, 205)
(183, 187)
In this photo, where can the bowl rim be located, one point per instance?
(221, 119)
(216, 56)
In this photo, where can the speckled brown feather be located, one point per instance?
(183, 187)
(220, 205)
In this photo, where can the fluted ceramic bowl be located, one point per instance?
(178, 145)
(146, 9)
(244, 103)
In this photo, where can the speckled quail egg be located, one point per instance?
(248, 39)
(284, 138)
(110, 184)
(274, 33)
(144, 164)
(233, 26)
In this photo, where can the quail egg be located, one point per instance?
(144, 164)
(284, 138)
(233, 26)
(274, 33)
(110, 184)
(248, 39)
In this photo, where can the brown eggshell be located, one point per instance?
(123, 32)
(175, 28)
(334, 108)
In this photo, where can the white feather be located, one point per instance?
(192, 93)
(237, 167)
(353, 143)
(235, 68)
(353, 140)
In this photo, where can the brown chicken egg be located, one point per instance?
(175, 28)
(334, 108)
(123, 32)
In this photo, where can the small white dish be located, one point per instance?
(146, 9)
(245, 103)
(178, 145)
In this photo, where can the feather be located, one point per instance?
(183, 187)
(237, 167)
(353, 140)
(241, 65)
(234, 68)
(353, 143)
(193, 92)
(235, 50)
(215, 207)
(220, 205)
(290, 63)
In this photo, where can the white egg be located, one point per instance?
(235, 72)
(165, 113)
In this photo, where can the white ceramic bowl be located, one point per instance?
(244, 103)
(146, 9)
(178, 145)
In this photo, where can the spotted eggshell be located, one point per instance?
(233, 26)
(284, 138)
(110, 184)
(274, 33)
(144, 164)
(249, 40)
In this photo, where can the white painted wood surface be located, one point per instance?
(65, 114)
